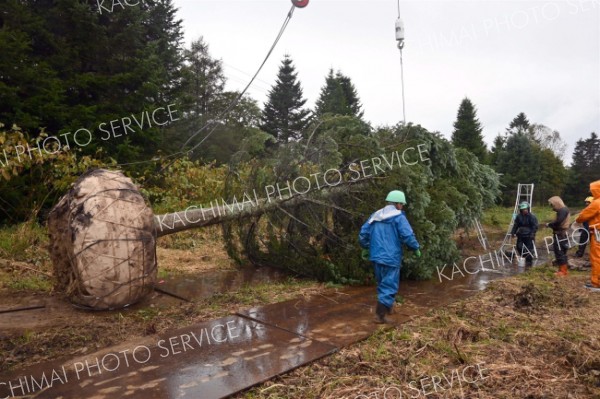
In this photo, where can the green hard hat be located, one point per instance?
(396, 196)
(524, 205)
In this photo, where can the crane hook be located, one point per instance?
(300, 3)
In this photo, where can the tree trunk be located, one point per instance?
(103, 235)
(194, 217)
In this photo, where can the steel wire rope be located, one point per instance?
(224, 112)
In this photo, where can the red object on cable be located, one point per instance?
(300, 3)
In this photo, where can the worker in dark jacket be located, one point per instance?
(524, 228)
(584, 237)
(383, 235)
(560, 226)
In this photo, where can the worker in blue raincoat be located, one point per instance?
(383, 236)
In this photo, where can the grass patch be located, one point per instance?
(24, 261)
(194, 238)
(147, 314)
(261, 293)
(501, 216)
(163, 273)
(29, 283)
(23, 242)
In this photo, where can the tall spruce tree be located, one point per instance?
(497, 149)
(82, 67)
(203, 82)
(520, 124)
(284, 115)
(553, 175)
(585, 168)
(166, 32)
(529, 153)
(204, 101)
(338, 96)
(351, 95)
(468, 132)
(331, 99)
(517, 162)
(32, 91)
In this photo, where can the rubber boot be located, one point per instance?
(592, 287)
(381, 310)
(563, 271)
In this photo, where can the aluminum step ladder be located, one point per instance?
(524, 193)
(481, 234)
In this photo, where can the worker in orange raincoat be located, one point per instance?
(591, 214)
(584, 237)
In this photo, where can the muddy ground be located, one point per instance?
(529, 336)
(204, 274)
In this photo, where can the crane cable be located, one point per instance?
(239, 97)
(402, 83)
(400, 47)
(227, 110)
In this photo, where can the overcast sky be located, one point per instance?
(537, 57)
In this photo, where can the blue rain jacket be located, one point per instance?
(384, 234)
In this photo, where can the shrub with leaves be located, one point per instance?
(30, 183)
(184, 183)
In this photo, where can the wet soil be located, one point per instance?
(531, 335)
(59, 330)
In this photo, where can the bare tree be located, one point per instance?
(548, 139)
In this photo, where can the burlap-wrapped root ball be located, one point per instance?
(103, 242)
